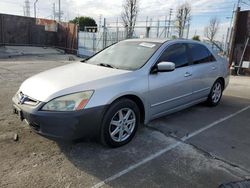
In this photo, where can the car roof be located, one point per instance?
(163, 40)
(156, 40)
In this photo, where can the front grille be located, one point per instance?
(24, 99)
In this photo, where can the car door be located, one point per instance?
(168, 90)
(205, 70)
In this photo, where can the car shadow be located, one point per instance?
(101, 162)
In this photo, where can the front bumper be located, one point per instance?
(63, 125)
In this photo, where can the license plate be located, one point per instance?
(19, 112)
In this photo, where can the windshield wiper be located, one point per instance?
(107, 65)
(84, 60)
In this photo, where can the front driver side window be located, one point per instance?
(177, 54)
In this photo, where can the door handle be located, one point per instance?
(187, 74)
(213, 68)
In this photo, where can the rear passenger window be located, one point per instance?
(177, 54)
(200, 54)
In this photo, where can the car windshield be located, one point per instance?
(128, 55)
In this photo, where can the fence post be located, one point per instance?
(2, 29)
(158, 27)
(77, 39)
(117, 31)
(147, 32)
(104, 34)
(94, 41)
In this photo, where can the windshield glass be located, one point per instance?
(128, 55)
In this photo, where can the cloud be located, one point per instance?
(202, 10)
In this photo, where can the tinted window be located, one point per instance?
(200, 54)
(177, 54)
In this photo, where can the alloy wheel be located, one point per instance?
(122, 124)
(217, 92)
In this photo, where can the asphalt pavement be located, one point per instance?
(197, 147)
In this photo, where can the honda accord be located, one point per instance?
(129, 83)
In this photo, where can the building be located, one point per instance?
(242, 33)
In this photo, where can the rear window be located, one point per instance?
(200, 54)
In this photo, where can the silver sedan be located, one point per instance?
(129, 83)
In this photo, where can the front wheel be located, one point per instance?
(120, 123)
(215, 94)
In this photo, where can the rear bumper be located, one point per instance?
(63, 125)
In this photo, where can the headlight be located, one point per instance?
(72, 102)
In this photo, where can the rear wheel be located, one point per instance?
(215, 94)
(120, 123)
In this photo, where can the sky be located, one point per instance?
(202, 11)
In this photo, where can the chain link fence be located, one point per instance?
(89, 43)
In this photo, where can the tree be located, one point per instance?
(212, 29)
(129, 15)
(183, 18)
(196, 37)
(85, 22)
(174, 37)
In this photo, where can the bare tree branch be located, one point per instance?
(183, 16)
(212, 29)
(129, 15)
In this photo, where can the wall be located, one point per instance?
(20, 30)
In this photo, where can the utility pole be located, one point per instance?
(165, 27)
(158, 27)
(226, 42)
(54, 11)
(104, 42)
(100, 22)
(233, 36)
(169, 21)
(147, 28)
(27, 8)
(117, 30)
(59, 11)
(222, 43)
(238, 4)
(35, 8)
(188, 28)
(229, 32)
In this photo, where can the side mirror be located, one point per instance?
(164, 67)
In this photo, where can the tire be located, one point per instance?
(120, 123)
(215, 94)
(240, 184)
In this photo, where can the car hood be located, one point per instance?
(66, 79)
